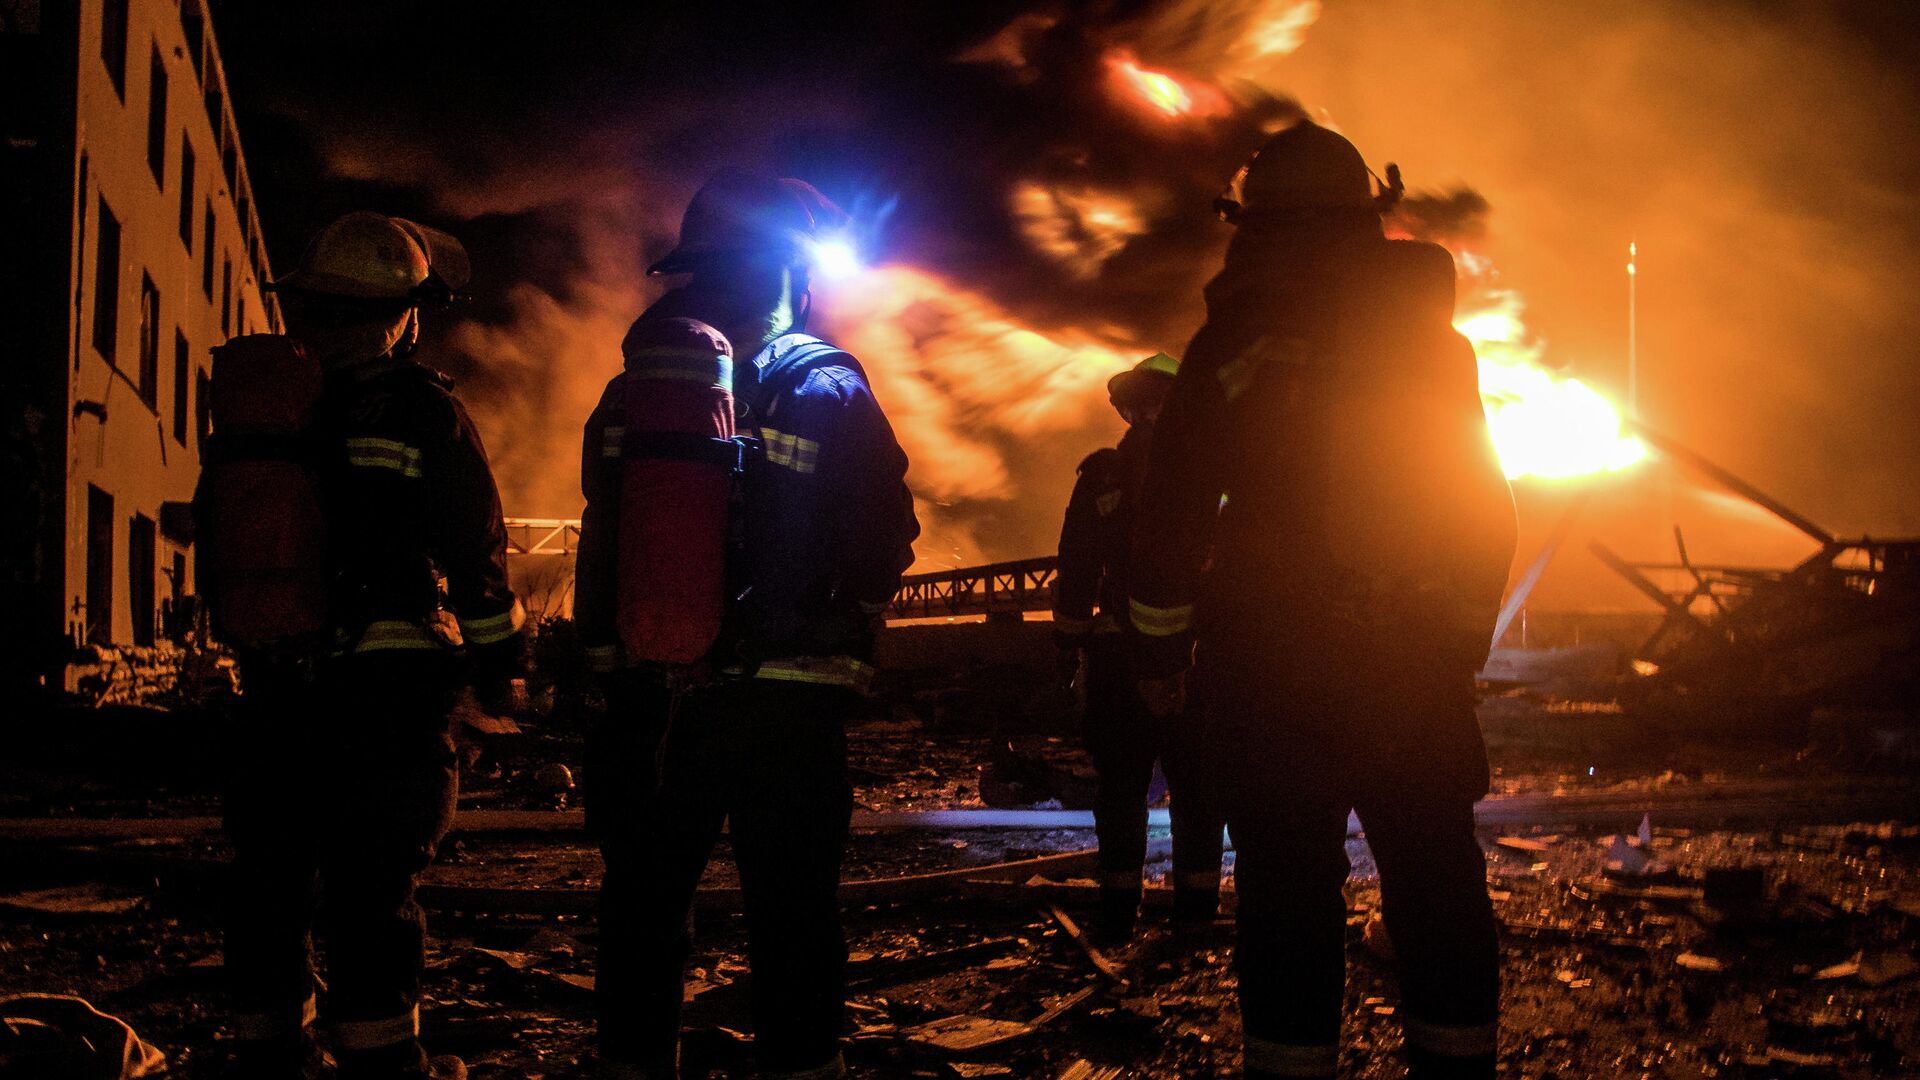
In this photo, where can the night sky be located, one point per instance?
(1762, 155)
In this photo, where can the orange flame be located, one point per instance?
(1544, 424)
(1163, 93)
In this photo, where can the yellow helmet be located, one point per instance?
(369, 256)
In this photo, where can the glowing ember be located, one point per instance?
(1544, 424)
(1162, 92)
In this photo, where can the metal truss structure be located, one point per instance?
(542, 536)
(1006, 588)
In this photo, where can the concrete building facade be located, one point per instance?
(136, 248)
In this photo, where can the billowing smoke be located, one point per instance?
(1054, 216)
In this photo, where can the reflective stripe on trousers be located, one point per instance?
(352, 1035)
(1453, 1040)
(1160, 622)
(1284, 1059)
(602, 659)
(255, 1026)
(495, 628)
(387, 634)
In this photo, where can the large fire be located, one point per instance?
(1544, 424)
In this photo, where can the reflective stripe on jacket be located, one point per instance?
(828, 523)
(414, 521)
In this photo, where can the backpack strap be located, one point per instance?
(226, 448)
(685, 446)
(799, 361)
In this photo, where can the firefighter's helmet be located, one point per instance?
(1143, 382)
(369, 256)
(1306, 167)
(744, 213)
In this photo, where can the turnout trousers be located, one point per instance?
(768, 760)
(1124, 740)
(1306, 724)
(339, 787)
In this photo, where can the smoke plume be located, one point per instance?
(1054, 221)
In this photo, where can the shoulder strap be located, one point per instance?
(803, 358)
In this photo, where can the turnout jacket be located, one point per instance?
(1096, 539)
(826, 523)
(1323, 455)
(417, 547)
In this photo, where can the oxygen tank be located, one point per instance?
(676, 482)
(261, 551)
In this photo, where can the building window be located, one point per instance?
(206, 255)
(226, 297)
(230, 160)
(97, 615)
(202, 409)
(149, 380)
(113, 43)
(141, 572)
(186, 193)
(195, 26)
(106, 283)
(180, 365)
(157, 121)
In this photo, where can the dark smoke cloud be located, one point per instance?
(1762, 156)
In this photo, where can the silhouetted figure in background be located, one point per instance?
(1121, 734)
(1324, 534)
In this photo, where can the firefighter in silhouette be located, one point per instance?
(1323, 535)
(820, 530)
(352, 551)
(1121, 734)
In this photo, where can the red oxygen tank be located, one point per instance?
(262, 554)
(676, 478)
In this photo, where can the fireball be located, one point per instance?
(1544, 424)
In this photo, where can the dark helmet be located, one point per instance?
(1306, 167)
(1144, 382)
(741, 212)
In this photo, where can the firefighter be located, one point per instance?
(1123, 737)
(826, 527)
(343, 779)
(1324, 533)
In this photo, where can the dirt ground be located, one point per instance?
(1607, 974)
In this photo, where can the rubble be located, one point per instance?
(1710, 966)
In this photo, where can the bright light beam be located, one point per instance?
(835, 259)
